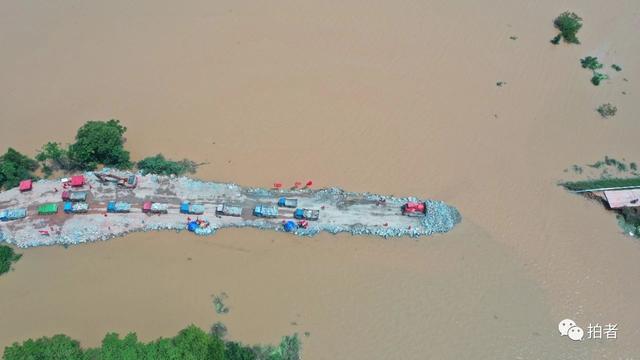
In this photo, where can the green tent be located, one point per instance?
(46, 209)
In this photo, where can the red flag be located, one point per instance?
(309, 183)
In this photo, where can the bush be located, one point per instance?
(568, 23)
(616, 67)
(158, 164)
(15, 167)
(99, 142)
(607, 110)
(7, 257)
(53, 157)
(598, 77)
(591, 63)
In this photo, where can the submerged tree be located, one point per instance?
(607, 110)
(99, 142)
(15, 167)
(568, 23)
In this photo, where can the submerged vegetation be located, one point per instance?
(607, 110)
(190, 343)
(568, 23)
(7, 258)
(15, 167)
(616, 67)
(99, 142)
(592, 63)
(218, 303)
(158, 164)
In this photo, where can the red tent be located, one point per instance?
(26, 185)
(77, 180)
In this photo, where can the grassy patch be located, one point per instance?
(568, 23)
(601, 183)
(7, 257)
(607, 110)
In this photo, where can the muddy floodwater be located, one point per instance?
(395, 98)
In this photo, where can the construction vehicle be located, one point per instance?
(129, 182)
(414, 209)
(12, 214)
(192, 209)
(118, 207)
(74, 196)
(289, 203)
(306, 214)
(75, 207)
(155, 208)
(265, 211)
(227, 210)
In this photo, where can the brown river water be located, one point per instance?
(389, 97)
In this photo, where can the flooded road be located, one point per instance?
(393, 98)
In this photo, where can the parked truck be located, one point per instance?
(75, 207)
(118, 207)
(306, 214)
(289, 203)
(192, 209)
(74, 196)
(414, 209)
(265, 211)
(228, 210)
(155, 208)
(12, 214)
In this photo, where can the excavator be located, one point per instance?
(129, 182)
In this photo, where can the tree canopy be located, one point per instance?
(191, 343)
(15, 167)
(568, 23)
(100, 142)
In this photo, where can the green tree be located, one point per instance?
(195, 344)
(99, 142)
(58, 347)
(7, 257)
(236, 351)
(15, 167)
(52, 155)
(568, 23)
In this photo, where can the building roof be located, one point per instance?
(77, 180)
(26, 185)
(623, 198)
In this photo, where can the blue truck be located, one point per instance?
(192, 209)
(306, 214)
(118, 207)
(12, 214)
(289, 203)
(265, 211)
(75, 207)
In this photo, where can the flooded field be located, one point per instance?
(395, 98)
